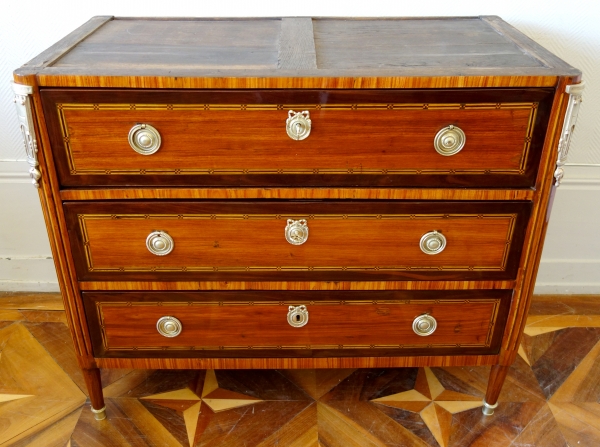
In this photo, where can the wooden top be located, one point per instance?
(295, 53)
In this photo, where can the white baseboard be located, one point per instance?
(26, 286)
(25, 257)
(568, 277)
(14, 172)
(28, 275)
(567, 289)
(571, 259)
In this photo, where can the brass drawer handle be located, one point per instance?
(297, 316)
(144, 139)
(424, 325)
(432, 243)
(160, 243)
(169, 326)
(298, 125)
(449, 141)
(296, 231)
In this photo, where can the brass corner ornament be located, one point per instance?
(23, 103)
(575, 91)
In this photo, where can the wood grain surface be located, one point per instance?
(347, 239)
(328, 79)
(94, 387)
(496, 381)
(57, 235)
(256, 53)
(534, 241)
(298, 362)
(298, 193)
(294, 285)
(468, 322)
(232, 141)
(296, 44)
(432, 43)
(190, 44)
(373, 138)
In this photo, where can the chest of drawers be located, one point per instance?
(296, 192)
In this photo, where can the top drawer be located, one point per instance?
(368, 138)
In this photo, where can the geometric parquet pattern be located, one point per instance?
(550, 398)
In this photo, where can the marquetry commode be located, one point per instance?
(296, 192)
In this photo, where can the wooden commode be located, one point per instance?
(296, 192)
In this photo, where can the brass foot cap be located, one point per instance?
(488, 409)
(100, 414)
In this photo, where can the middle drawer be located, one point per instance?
(274, 241)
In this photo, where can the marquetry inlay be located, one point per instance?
(439, 304)
(423, 107)
(92, 267)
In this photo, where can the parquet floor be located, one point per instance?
(551, 397)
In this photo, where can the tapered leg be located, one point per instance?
(495, 382)
(94, 386)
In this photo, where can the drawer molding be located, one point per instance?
(74, 170)
(284, 305)
(84, 218)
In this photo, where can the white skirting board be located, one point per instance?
(25, 258)
(28, 275)
(568, 277)
(571, 258)
(570, 262)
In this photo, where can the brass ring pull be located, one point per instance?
(432, 243)
(449, 141)
(169, 326)
(144, 139)
(296, 231)
(297, 316)
(424, 325)
(298, 125)
(160, 243)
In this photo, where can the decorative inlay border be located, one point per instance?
(187, 285)
(532, 106)
(83, 218)
(484, 344)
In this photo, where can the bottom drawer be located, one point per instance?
(296, 324)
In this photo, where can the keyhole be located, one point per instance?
(297, 317)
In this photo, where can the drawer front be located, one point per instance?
(226, 324)
(373, 138)
(249, 240)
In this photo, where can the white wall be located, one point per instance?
(571, 260)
